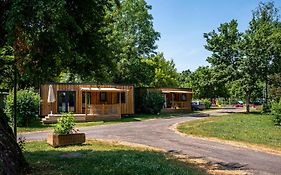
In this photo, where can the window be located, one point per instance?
(183, 97)
(66, 101)
(84, 100)
(88, 97)
(123, 97)
(103, 97)
(173, 97)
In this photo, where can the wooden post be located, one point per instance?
(102, 109)
(15, 100)
(173, 100)
(51, 108)
(112, 104)
(86, 105)
(120, 103)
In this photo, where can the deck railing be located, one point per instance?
(105, 109)
(179, 104)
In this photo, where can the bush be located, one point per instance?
(27, 106)
(152, 102)
(65, 124)
(276, 112)
(207, 103)
(266, 108)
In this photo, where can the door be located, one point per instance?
(66, 101)
(165, 101)
(86, 100)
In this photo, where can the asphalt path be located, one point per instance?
(158, 133)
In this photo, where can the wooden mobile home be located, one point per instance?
(176, 99)
(88, 102)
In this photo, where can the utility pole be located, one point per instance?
(15, 99)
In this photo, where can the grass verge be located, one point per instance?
(97, 157)
(249, 128)
(38, 126)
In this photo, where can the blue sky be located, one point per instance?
(183, 22)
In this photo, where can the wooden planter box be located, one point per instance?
(57, 140)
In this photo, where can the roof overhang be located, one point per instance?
(181, 92)
(105, 89)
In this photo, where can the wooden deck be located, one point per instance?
(178, 106)
(93, 113)
(104, 109)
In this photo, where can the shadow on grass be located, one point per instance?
(253, 112)
(92, 161)
(35, 126)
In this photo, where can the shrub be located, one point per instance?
(207, 103)
(65, 124)
(266, 108)
(27, 106)
(152, 102)
(276, 112)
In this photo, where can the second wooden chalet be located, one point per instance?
(176, 99)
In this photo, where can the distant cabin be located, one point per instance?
(176, 99)
(88, 102)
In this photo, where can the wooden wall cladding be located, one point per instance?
(45, 107)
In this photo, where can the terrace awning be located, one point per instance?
(105, 89)
(181, 92)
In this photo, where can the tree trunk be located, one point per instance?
(12, 161)
(248, 103)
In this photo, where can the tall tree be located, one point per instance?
(51, 36)
(225, 58)
(136, 71)
(165, 72)
(224, 45)
(132, 39)
(249, 57)
(258, 49)
(185, 79)
(205, 84)
(275, 87)
(44, 38)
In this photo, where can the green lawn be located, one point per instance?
(38, 126)
(250, 128)
(103, 158)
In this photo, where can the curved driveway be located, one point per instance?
(157, 133)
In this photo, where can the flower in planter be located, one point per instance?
(65, 124)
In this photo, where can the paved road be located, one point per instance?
(157, 133)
